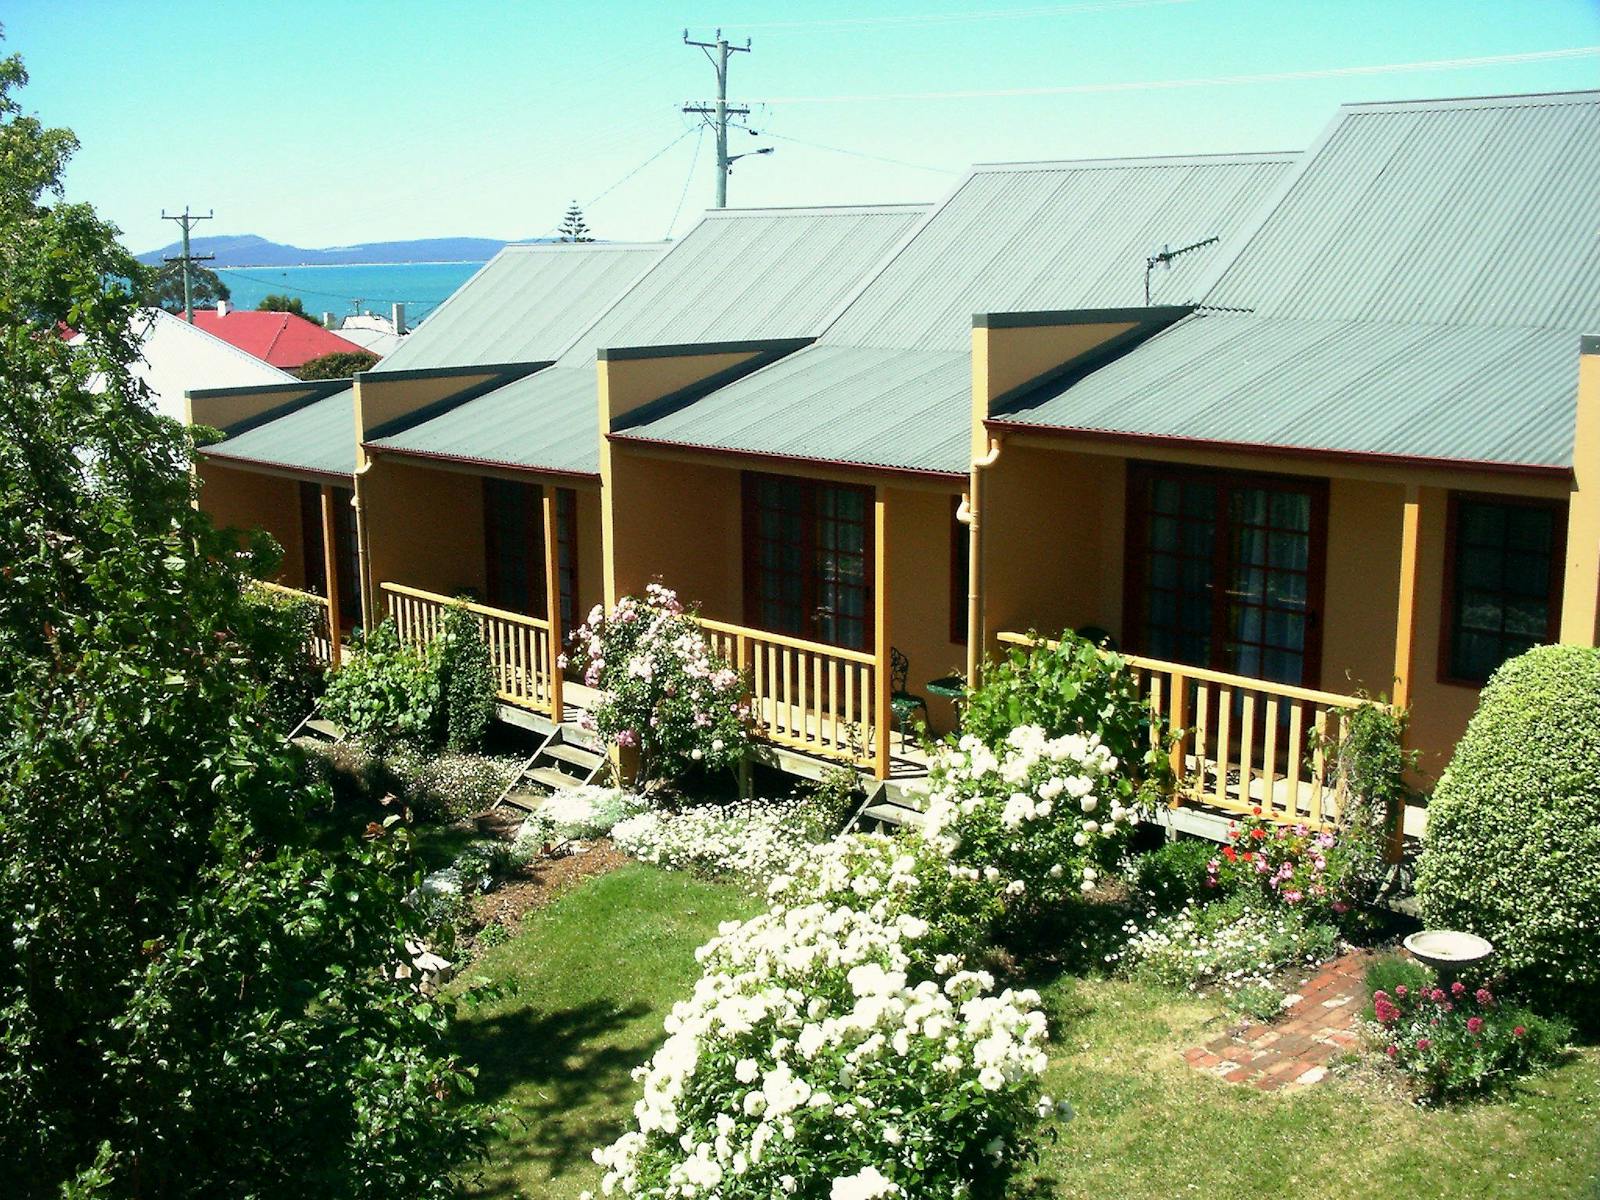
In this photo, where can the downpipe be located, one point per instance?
(369, 609)
(968, 513)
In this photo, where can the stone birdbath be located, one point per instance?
(1448, 951)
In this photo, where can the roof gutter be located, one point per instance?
(1002, 426)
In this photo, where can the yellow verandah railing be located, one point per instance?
(321, 644)
(1245, 743)
(522, 652)
(810, 696)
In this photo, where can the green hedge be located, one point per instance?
(1513, 845)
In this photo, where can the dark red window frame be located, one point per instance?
(1136, 544)
(1450, 612)
(810, 496)
(503, 498)
(960, 573)
(567, 556)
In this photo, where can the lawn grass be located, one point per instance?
(599, 969)
(1148, 1125)
(596, 973)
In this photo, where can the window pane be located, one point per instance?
(1504, 555)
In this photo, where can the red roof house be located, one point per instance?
(282, 339)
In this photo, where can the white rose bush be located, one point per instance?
(751, 841)
(1041, 818)
(663, 693)
(894, 877)
(841, 1046)
(813, 1060)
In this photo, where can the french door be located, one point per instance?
(347, 563)
(1226, 570)
(513, 546)
(513, 549)
(808, 559)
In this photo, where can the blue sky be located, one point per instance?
(344, 120)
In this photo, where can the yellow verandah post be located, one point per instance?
(880, 610)
(330, 568)
(552, 591)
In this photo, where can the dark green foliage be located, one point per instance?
(833, 799)
(1459, 1039)
(341, 364)
(279, 302)
(1389, 971)
(165, 288)
(467, 679)
(1513, 844)
(1070, 688)
(433, 788)
(1373, 758)
(196, 999)
(284, 626)
(1168, 878)
(573, 227)
(387, 692)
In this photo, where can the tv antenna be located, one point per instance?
(1163, 258)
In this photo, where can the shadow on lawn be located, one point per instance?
(562, 1082)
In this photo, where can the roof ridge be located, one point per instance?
(161, 313)
(560, 247)
(1141, 160)
(1500, 100)
(812, 210)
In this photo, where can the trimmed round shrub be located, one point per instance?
(1513, 845)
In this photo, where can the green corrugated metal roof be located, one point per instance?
(525, 305)
(739, 275)
(889, 383)
(1418, 290)
(319, 437)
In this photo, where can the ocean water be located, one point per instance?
(422, 286)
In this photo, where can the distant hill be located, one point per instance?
(250, 250)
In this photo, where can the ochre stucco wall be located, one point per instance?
(1054, 546)
(1051, 525)
(424, 527)
(679, 522)
(919, 592)
(253, 500)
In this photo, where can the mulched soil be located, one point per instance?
(542, 880)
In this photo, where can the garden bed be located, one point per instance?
(598, 969)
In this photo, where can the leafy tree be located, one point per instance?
(573, 227)
(165, 288)
(341, 364)
(279, 302)
(197, 988)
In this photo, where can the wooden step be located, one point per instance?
(573, 734)
(579, 756)
(526, 801)
(551, 778)
(894, 814)
(324, 728)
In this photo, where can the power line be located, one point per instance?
(949, 18)
(1441, 64)
(640, 167)
(716, 114)
(687, 180)
(186, 221)
(898, 162)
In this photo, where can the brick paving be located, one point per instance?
(1295, 1050)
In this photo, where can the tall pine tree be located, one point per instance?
(573, 227)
